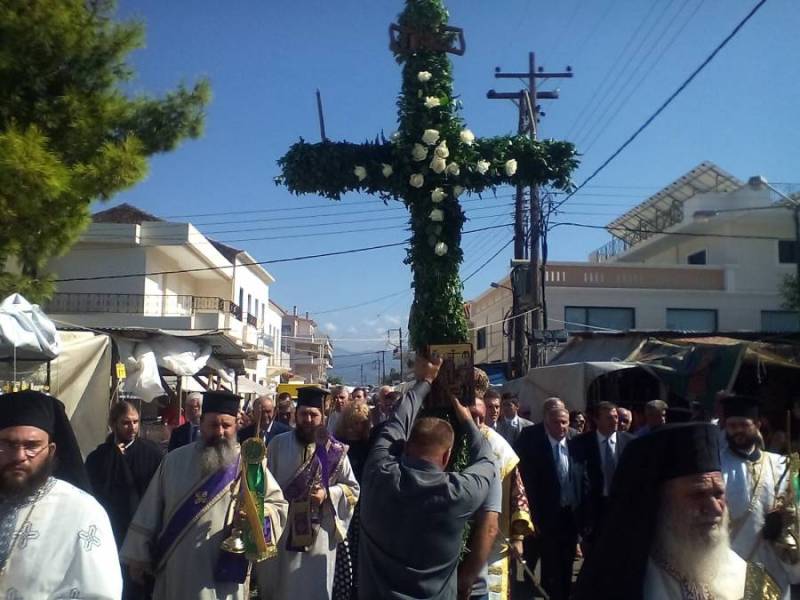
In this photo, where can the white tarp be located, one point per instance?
(81, 378)
(570, 382)
(25, 331)
(142, 358)
(248, 386)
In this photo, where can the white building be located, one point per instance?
(311, 353)
(174, 279)
(669, 268)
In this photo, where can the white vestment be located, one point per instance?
(727, 585)
(187, 570)
(307, 575)
(750, 490)
(60, 545)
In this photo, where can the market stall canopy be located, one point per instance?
(25, 331)
(570, 382)
(248, 386)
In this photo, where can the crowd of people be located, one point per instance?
(348, 500)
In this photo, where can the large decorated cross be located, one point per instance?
(428, 164)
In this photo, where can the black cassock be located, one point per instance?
(120, 480)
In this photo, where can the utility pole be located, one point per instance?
(399, 331)
(361, 378)
(383, 366)
(529, 112)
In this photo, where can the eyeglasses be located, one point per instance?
(31, 449)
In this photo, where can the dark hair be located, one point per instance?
(509, 397)
(491, 394)
(573, 414)
(604, 406)
(119, 409)
(284, 396)
(361, 389)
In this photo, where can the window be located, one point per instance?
(786, 253)
(691, 319)
(255, 309)
(697, 258)
(480, 338)
(783, 321)
(583, 318)
(249, 304)
(241, 298)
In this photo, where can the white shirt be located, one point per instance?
(513, 422)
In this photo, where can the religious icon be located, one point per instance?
(456, 375)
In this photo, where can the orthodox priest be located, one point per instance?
(755, 481)
(192, 505)
(314, 472)
(669, 491)
(55, 539)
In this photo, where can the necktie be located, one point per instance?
(609, 464)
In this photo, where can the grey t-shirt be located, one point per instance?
(493, 503)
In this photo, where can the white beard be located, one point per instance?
(214, 458)
(697, 555)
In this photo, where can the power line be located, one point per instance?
(491, 258)
(662, 232)
(669, 100)
(262, 262)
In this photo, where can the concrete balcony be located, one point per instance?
(313, 361)
(621, 275)
(167, 311)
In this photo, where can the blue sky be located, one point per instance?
(265, 60)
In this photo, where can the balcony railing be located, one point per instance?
(140, 304)
(252, 320)
(646, 277)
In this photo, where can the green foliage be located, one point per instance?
(335, 380)
(790, 291)
(68, 133)
(426, 102)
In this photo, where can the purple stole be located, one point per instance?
(320, 468)
(203, 497)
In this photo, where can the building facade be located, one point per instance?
(310, 353)
(706, 253)
(174, 279)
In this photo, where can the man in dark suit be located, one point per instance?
(270, 426)
(554, 484)
(599, 451)
(190, 430)
(511, 424)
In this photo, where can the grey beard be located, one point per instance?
(217, 456)
(697, 556)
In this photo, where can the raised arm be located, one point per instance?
(398, 427)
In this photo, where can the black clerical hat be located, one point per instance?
(35, 409)
(222, 402)
(740, 406)
(312, 396)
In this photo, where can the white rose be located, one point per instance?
(387, 170)
(430, 136)
(482, 166)
(453, 169)
(442, 151)
(432, 102)
(360, 172)
(457, 191)
(438, 165)
(511, 167)
(419, 152)
(467, 136)
(440, 249)
(437, 195)
(416, 180)
(424, 76)
(437, 215)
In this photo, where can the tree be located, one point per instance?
(69, 134)
(790, 290)
(431, 161)
(335, 380)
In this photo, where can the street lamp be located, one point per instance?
(499, 286)
(758, 182)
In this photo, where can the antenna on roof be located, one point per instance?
(321, 117)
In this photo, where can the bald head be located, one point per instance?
(431, 440)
